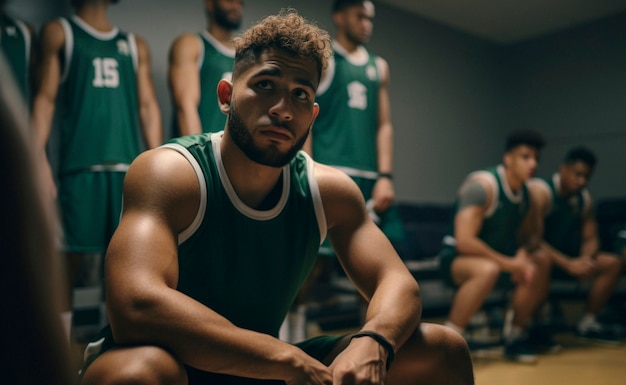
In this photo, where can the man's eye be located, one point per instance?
(301, 94)
(264, 84)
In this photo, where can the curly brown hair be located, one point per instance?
(287, 31)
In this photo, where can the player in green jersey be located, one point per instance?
(353, 131)
(570, 238)
(220, 230)
(487, 244)
(100, 79)
(17, 43)
(197, 63)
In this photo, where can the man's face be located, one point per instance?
(273, 107)
(357, 22)
(228, 13)
(574, 176)
(522, 161)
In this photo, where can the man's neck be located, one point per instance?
(252, 182)
(222, 35)
(347, 44)
(95, 15)
(514, 183)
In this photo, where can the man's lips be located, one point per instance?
(277, 133)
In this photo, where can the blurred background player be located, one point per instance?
(570, 238)
(17, 42)
(100, 79)
(488, 244)
(197, 62)
(353, 131)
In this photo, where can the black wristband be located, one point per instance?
(391, 354)
(387, 175)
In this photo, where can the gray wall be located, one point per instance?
(572, 86)
(454, 97)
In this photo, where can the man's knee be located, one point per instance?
(435, 354)
(138, 365)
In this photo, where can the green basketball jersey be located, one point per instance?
(246, 264)
(503, 219)
(15, 42)
(215, 63)
(564, 221)
(344, 133)
(98, 98)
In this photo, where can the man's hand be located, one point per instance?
(581, 268)
(521, 267)
(383, 195)
(362, 362)
(310, 372)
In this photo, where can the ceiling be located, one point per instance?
(510, 21)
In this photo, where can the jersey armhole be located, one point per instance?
(69, 48)
(316, 197)
(134, 53)
(197, 221)
(328, 76)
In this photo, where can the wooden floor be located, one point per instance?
(579, 363)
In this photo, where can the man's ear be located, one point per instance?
(316, 110)
(224, 95)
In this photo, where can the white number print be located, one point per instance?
(105, 73)
(357, 94)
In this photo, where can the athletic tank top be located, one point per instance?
(15, 42)
(344, 133)
(564, 220)
(214, 64)
(248, 265)
(98, 97)
(503, 218)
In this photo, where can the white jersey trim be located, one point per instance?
(316, 196)
(259, 215)
(327, 77)
(134, 53)
(94, 32)
(197, 221)
(27, 41)
(69, 47)
(515, 198)
(226, 51)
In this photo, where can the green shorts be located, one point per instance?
(446, 257)
(319, 348)
(390, 222)
(90, 204)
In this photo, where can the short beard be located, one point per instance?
(271, 156)
(221, 19)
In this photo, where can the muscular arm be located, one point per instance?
(161, 197)
(369, 260)
(541, 199)
(475, 197)
(184, 81)
(149, 112)
(52, 41)
(384, 193)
